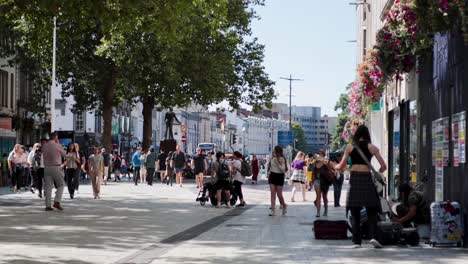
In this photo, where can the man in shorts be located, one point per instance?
(178, 159)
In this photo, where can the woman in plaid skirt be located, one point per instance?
(362, 192)
(298, 176)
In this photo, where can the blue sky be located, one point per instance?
(308, 39)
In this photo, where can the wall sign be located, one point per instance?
(458, 137)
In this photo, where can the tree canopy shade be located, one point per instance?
(161, 53)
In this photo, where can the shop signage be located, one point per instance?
(5, 123)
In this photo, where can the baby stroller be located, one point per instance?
(204, 193)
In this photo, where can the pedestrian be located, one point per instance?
(362, 192)
(255, 169)
(81, 165)
(28, 176)
(96, 171)
(53, 154)
(321, 182)
(150, 165)
(124, 168)
(17, 161)
(298, 175)
(136, 165)
(199, 166)
(162, 165)
(277, 168)
(238, 178)
(107, 160)
(169, 168)
(143, 171)
(71, 164)
(33, 166)
(338, 184)
(178, 160)
(309, 171)
(220, 179)
(40, 170)
(209, 160)
(117, 166)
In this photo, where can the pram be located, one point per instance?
(208, 192)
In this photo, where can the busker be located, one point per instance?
(362, 192)
(53, 153)
(413, 209)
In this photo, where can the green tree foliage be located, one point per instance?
(338, 142)
(298, 132)
(161, 53)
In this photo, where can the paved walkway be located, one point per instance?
(160, 224)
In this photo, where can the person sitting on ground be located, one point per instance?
(413, 208)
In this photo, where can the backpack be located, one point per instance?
(223, 171)
(246, 170)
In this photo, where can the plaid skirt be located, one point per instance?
(362, 191)
(298, 175)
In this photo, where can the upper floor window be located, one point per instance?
(4, 88)
(80, 122)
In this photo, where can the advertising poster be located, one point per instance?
(458, 138)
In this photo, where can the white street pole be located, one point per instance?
(52, 87)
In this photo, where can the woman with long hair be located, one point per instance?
(72, 165)
(277, 169)
(298, 175)
(143, 167)
(362, 192)
(321, 183)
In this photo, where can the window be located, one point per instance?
(4, 88)
(12, 91)
(364, 43)
(79, 122)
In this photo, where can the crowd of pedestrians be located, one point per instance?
(48, 165)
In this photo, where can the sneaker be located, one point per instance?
(57, 206)
(357, 246)
(375, 243)
(49, 209)
(272, 213)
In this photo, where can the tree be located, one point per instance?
(209, 61)
(338, 142)
(164, 53)
(298, 133)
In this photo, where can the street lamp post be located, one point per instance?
(52, 87)
(290, 79)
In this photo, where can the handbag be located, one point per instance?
(377, 178)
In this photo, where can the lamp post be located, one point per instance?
(52, 87)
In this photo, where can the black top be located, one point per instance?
(199, 162)
(356, 158)
(179, 159)
(106, 157)
(162, 160)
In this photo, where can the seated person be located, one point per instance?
(413, 208)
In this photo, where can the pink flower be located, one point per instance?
(444, 4)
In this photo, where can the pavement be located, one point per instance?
(163, 224)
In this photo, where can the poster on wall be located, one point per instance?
(439, 184)
(434, 141)
(458, 137)
(440, 153)
(445, 127)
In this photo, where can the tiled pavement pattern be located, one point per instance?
(164, 225)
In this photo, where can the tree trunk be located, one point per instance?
(107, 103)
(148, 106)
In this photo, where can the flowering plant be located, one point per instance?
(370, 77)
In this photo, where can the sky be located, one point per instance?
(308, 39)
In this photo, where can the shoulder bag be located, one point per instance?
(377, 177)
